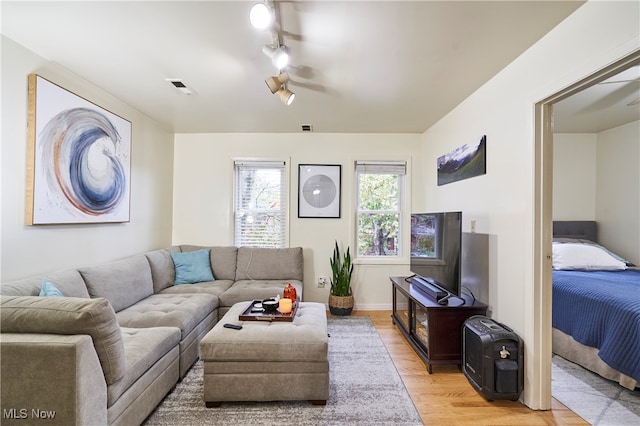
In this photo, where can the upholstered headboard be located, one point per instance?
(581, 229)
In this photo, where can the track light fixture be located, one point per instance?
(275, 83)
(264, 16)
(261, 16)
(279, 55)
(286, 96)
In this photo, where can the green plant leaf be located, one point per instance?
(342, 269)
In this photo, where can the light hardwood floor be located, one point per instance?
(446, 397)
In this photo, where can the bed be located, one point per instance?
(596, 304)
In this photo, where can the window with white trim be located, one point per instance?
(379, 207)
(260, 204)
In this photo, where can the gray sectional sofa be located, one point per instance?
(123, 334)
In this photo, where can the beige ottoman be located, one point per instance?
(267, 361)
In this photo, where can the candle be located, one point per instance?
(284, 305)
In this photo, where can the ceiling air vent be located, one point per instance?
(178, 84)
(307, 128)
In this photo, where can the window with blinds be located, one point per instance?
(379, 207)
(260, 204)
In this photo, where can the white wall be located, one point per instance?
(574, 176)
(503, 200)
(31, 250)
(618, 190)
(596, 177)
(203, 198)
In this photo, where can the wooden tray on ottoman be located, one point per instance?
(247, 315)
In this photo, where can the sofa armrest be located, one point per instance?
(52, 377)
(69, 316)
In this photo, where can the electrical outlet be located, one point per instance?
(321, 282)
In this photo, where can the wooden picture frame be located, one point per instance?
(319, 190)
(78, 159)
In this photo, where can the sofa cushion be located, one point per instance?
(183, 311)
(68, 281)
(244, 290)
(215, 288)
(143, 347)
(49, 289)
(163, 273)
(192, 267)
(269, 264)
(67, 316)
(223, 260)
(123, 283)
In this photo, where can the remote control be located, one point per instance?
(234, 326)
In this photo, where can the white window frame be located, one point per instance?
(283, 212)
(383, 167)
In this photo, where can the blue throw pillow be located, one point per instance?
(49, 289)
(192, 266)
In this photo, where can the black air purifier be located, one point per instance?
(492, 358)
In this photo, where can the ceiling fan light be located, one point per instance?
(286, 96)
(261, 16)
(275, 83)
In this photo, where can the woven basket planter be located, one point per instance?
(340, 305)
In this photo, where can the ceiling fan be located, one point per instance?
(630, 75)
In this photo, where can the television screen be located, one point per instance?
(436, 248)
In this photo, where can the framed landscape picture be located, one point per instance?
(319, 190)
(78, 159)
(464, 162)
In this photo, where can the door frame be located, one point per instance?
(543, 222)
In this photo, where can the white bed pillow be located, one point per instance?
(568, 256)
(589, 242)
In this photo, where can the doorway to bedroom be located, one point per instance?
(558, 133)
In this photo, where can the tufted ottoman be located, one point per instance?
(267, 361)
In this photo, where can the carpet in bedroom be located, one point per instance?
(365, 389)
(599, 401)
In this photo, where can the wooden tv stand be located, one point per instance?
(434, 331)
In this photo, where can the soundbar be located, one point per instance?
(430, 287)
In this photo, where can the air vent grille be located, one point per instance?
(179, 84)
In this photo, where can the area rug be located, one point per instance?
(365, 389)
(599, 401)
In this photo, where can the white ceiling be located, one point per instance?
(608, 104)
(357, 66)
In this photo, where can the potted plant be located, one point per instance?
(341, 297)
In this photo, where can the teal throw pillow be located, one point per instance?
(192, 266)
(49, 289)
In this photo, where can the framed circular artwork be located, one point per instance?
(319, 190)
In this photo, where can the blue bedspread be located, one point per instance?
(601, 309)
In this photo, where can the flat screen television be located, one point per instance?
(436, 246)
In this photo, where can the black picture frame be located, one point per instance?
(319, 190)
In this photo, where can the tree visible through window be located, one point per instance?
(379, 207)
(260, 204)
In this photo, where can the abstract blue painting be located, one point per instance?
(79, 167)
